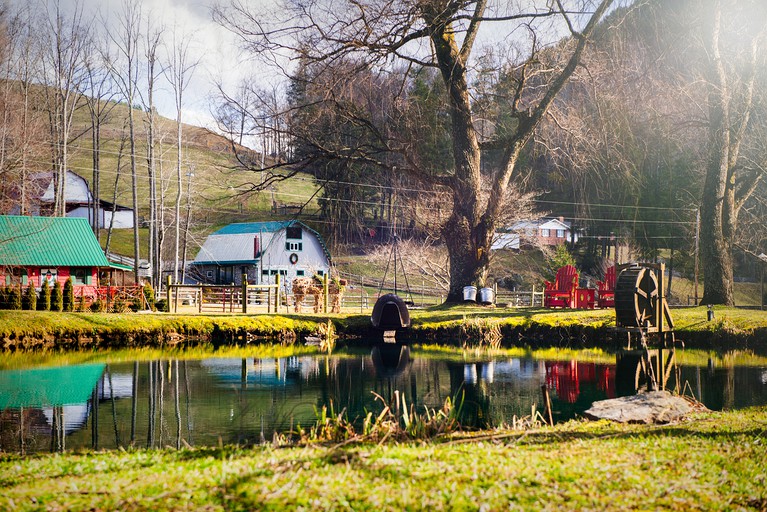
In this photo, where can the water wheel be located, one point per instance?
(636, 298)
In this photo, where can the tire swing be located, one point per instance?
(293, 259)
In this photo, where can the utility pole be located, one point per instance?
(697, 249)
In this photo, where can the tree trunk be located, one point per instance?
(715, 248)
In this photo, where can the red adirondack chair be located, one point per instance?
(561, 293)
(606, 289)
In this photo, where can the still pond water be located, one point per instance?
(234, 400)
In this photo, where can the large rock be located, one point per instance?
(652, 407)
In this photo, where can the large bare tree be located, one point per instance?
(441, 34)
(733, 41)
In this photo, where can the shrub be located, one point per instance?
(81, 307)
(149, 296)
(57, 298)
(44, 304)
(14, 298)
(30, 298)
(69, 295)
(98, 306)
(4, 297)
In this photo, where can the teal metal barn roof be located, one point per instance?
(49, 241)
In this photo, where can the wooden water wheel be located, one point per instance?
(636, 294)
(639, 303)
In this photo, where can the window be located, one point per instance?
(560, 233)
(320, 273)
(299, 273)
(545, 233)
(294, 246)
(293, 232)
(81, 275)
(17, 276)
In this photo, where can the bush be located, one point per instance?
(149, 296)
(98, 306)
(57, 298)
(4, 297)
(30, 298)
(81, 307)
(14, 298)
(44, 304)
(69, 295)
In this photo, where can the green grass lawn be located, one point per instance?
(715, 461)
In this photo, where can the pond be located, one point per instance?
(213, 400)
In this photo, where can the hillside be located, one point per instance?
(220, 192)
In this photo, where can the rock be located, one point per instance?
(652, 407)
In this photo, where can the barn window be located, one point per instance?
(294, 246)
(293, 232)
(300, 273)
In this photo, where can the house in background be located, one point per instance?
(33, 249)
(79, 199)
(546, 231)
(261, 250)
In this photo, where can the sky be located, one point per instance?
(215, 47)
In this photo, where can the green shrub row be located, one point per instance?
(28, 298)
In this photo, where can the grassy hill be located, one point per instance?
(221, 191)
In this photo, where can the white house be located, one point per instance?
(261, 250)
(545, 231)
(80, 201)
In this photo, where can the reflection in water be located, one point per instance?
(244, 400)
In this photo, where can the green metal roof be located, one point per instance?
(49, 241)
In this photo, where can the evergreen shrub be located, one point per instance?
(69, 295)
(30, 298)
(44, 304)
(57, 298)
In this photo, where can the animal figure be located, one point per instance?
(309, 286)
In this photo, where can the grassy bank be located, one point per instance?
(715, 462)
(731, 328)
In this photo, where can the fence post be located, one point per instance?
(277, 293)
(325, 294)
(168, 296)
(245, 293)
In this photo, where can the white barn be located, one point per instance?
(261, 250)
(79, 201)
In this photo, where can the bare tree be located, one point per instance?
(98, 92)
(64, 72)
(125, 70)
(153, 40)
(21, 124)
(442, 35)
(180, 70)
(733, 42)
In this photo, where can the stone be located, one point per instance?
(651, 407)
